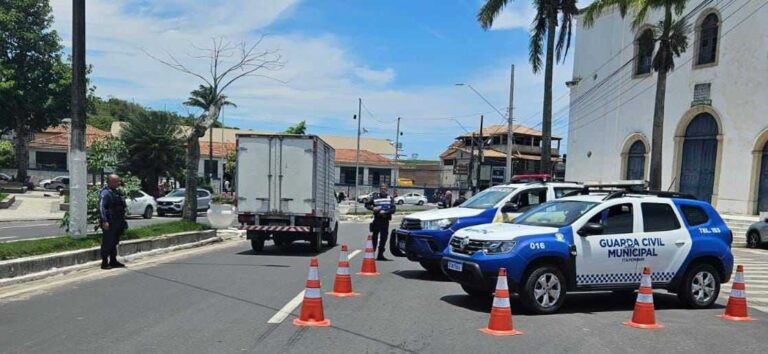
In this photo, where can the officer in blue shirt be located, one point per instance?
(112, 220)
(383, 206)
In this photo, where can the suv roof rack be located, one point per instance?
(660, 194)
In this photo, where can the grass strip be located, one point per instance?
(27, 248)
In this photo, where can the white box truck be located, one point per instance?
(285, 189)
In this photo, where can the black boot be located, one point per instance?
(381, 257)
(104, 264)
(113, 261)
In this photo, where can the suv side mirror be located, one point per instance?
(590, 229)
(510, 208)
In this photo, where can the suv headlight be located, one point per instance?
(498, 247)
(441, 224)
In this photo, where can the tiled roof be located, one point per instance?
(348, 156)
(57, 138)
(219, 149)
(501, 129)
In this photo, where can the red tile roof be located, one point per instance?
(57, 138)
(349, 156)
(219, 149)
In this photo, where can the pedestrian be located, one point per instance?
(448, 199)
(342, 197)
(460, 200)
(226, 185)
(112, 219)
(383, 206)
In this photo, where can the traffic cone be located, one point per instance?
(312, 307)
(500, 323)
(736, 310)
(342, 285)
(369, 262)
(644, 315)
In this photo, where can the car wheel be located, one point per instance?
(316, 242)
(420, 203)
(753, 240)
(148, 212)
(333, 236)
(700, 286)
(475, 292)
(257, 243)
(400, 202)
(544, 290)
(431, 267)
(59, 189)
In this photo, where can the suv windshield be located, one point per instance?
(555, 214)
(176, 193)
(488, 198)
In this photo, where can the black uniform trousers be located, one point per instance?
(110, 239)
(380, 233)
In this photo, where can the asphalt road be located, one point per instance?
(219, 300)
(27, 230)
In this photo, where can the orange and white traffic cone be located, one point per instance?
(736, 310)
(500, 323)
(342, 285)
(644, 315)
(369, 262)
(312, 307)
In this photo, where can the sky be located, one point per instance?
(403, 58)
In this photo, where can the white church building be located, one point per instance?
(715, 143)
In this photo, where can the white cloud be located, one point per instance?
(323, 78)
(516, 15)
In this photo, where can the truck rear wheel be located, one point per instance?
(257, 243)
(316, 241)
(333, 236)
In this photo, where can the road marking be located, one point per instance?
(8, 237)
(281, 315)
(25, 226)
(284, 312)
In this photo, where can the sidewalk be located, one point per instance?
(33, 205)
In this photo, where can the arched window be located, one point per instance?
(708, 40)
(644, 57)
(636, 161)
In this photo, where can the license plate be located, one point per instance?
(455, 266)
(401, 245)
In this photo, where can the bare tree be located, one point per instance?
(227, 63)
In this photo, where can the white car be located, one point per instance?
(411, 198)
(141, 204)
(49, 183)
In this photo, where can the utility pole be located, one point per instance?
(471, 165)
(210, 155)
(359, 118)
(510, 130)
(78, 212)
(480, 156)
(397, 154)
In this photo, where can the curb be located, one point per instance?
(8, 201)
(30, 219)
(37, 267)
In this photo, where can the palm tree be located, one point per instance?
(208, 99)
(548, 13)
(153, 148)
(671, 34)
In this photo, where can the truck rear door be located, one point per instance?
(294, 185)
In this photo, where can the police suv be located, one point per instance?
(597, 242)
(423, 236)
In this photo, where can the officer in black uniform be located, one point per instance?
(383, 206)
(112, 218)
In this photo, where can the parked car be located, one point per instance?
(173, 202)
(59, 185)
(411, 198)
(140, 203)
(757, 234)
(5, 177)
(365, 197)
(46, 183)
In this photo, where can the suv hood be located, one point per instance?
(171, 199)
(437, 214)
(502, 231)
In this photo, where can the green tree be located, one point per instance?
(7, 155)
(545, 26)
(35, 81)
(129, 185)
(298, 129)
(670, 36)
(103, 154)
(153, 148)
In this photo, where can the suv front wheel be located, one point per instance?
(700, 286)
(543, 290)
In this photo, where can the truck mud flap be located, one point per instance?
(394, 240)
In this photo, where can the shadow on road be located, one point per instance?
(298, 249)
(228, 264)
(576, 302)
(421, 275)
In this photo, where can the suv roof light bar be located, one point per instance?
(660, 194)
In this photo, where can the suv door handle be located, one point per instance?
(680, 242)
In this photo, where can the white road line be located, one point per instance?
(753, 292)
(25, 226)
(287, 309)
(284, 312)
(7, 237)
